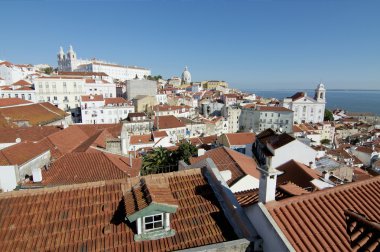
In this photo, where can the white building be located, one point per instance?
(100, 87)
(62, 91)
(186, 76)
(261, 118)
(141, 87)
(21, 89)
(12, 73)
(307, 109)
(69, 62)
(162, 98)
(274, 149)
(95, 109)
(232, 115)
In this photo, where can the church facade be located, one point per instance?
(307, 109)
(69, 63)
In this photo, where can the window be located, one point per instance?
(64, 84)
(23, 96)
(29, 97)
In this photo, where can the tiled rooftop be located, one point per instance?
(297, 173)
(74, 168)
(167, 122)
(22, 152)
(9, 135)
(241, 138)
(91, 217)
(35, 114)
(316, 222)
(228, 159)
(4, 102)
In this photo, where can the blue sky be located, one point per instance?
(255, 44)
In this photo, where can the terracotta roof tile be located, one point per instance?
(141, 139)
(35, 114)
(297, 173)
(168, 122)
(5, 102)
(228, 159)
(241, 138)
(316, 221)
(89, 98)
(74, 168)
(35, 133)
(92, 217)
(22, 152)
(115, 100)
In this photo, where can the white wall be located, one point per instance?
(8, 179)
(248, 182)
(294, 150)
(273, 238)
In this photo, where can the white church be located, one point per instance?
(70, 63)
(307, 109)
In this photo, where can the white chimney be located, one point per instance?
(201, 152)
(37, 175)
(267, 184)
(18, 140)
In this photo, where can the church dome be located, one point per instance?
(186, 76)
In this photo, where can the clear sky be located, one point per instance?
(251, 44)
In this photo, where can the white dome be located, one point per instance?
(186, 76)
(321, 86)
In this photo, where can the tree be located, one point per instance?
(48, 70)
(184, 152)
(161, 160)
(328, 115)
(157, 161)
(325, 141)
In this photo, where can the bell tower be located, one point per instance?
(320, 93)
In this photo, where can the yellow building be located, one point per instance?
(213, 84)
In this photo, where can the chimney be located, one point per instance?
(124, 141)
(201, 152)
(268, 182)
(37, 175)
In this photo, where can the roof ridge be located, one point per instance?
(324, 191)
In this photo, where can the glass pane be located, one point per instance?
(149, 219)
(149, 226)
(158, 224)
(157, 217)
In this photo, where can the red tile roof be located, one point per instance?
(141, 139)
(168, 122)
(89, 98)
(227, 159)
(22, 82)
(268, 136)
(159, 134)
(21, 153)
(5, 102)
(35, 133)
(297, 173)
(297, 96)
(364, 233)
(316, 221)
(36, 114)
(92, 217)
(116, 100)
(75, 168)
(240, 138)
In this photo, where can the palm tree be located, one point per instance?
(159, 160)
